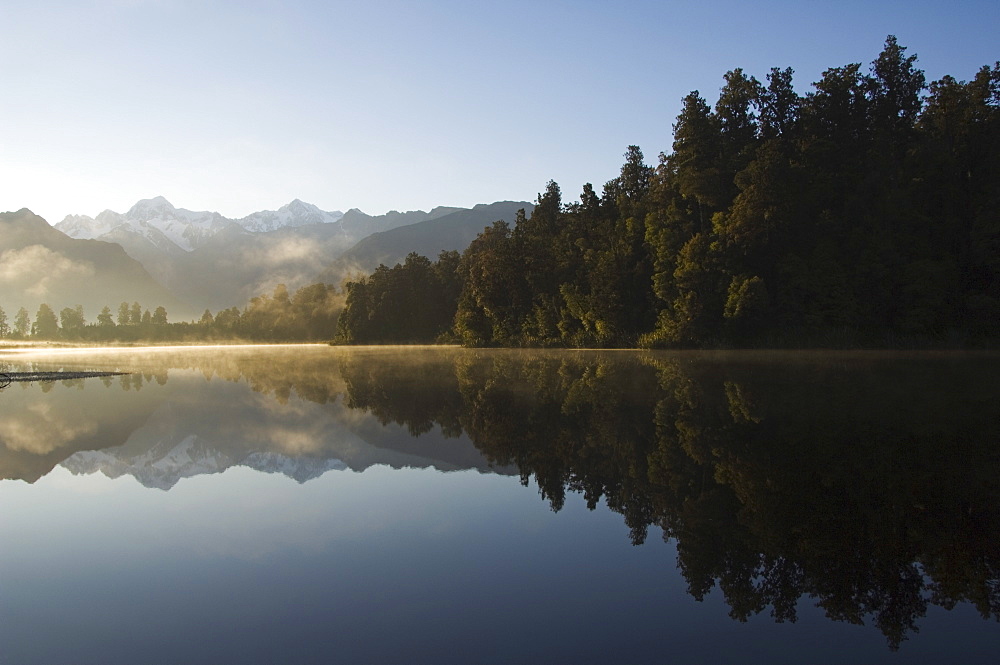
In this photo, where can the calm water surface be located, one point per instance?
(313, 504)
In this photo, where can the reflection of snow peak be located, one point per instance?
(185, 456)
(161, 466)
(191, 457)
(299, 468)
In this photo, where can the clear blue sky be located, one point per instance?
(245, 105)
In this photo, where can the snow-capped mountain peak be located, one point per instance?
(296, 213)
(108, 218)
(157, 218)
(88, 228)
(149, 208)
(185, 228)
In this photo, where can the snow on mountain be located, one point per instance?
(184, 228)
(167, 461)
(299, 468)
(132, 236)
(296, 213)
(161, 466)
(87, 228)
(157, 218)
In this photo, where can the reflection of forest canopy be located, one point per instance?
(860, 213)
(864, 483)
(869, 486)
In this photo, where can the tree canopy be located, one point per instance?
(863, 212)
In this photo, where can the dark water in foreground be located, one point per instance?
(431, 506)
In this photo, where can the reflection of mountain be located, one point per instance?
(162, 466)
(298, 468)
(182, 439)
(864, 482)
(285, 417)
(42, 424)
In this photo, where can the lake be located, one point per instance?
(311, 504)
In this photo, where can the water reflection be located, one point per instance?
(186, 412)
(865, 482)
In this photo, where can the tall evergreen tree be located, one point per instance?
(22, 323)
(72, 321)
(104, 319)
(46, 324)
(779, 105)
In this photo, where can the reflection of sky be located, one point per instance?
(384, 565)
(224, 405)
(380, 566)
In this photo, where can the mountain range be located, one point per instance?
(208, 261)
(161, 222)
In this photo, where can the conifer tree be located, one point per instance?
(46, 325)
(22, 323)
(104, 319)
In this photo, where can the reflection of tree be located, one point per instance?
(311, 372)
(404, 396)
(866, 485)
(579, 426)
(839, 490)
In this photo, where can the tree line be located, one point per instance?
(864, 212)
(308, 315)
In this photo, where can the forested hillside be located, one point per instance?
(863, 212)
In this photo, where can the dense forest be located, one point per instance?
(865, 212)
